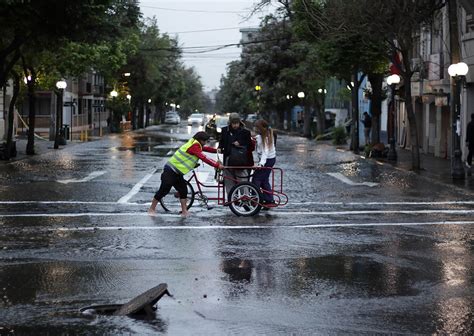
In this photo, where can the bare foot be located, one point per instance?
(185, 214)
(151, 212)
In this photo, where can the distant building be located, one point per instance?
(248, 34)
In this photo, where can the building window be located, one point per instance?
(469, 23)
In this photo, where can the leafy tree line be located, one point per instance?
(305, 42)
(43, 41)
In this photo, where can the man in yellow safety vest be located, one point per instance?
(183, 161)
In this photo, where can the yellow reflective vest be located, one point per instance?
(182, 161)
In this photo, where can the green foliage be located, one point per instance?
(367, 150)
(339, 135)
(64, 34)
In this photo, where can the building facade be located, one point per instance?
(83, 111)
(431, 85)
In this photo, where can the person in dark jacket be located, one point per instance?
(470, 141)
(235, 137)
(367, 121)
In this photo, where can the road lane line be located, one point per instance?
(88, 214)
(63, 202)
(277, 213)
(136, 188)
(290, 203)
(89, 177)
(383, 203)
(252, 227)
(344, 179)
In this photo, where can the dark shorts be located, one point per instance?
(169, 179)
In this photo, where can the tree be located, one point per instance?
(29, 28)
(345, 49)
(158, 74)
(234, 94)
(396, 22)
(49, 21)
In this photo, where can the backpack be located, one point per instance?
(238, 156)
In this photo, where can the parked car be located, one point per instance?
(250, 120)
(172, 118)
(215, 125)
(196, 119)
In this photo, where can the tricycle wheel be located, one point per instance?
(244, 199)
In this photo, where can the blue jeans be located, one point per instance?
(261, 179)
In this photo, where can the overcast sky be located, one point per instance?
(186, 20)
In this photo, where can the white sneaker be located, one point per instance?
(468, 165)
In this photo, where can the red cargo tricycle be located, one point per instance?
(243, 199)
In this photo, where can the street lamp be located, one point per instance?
(258, 88)
(457, 72)
(113, 93)
(392, 80)
(59, 138)
(301, 95)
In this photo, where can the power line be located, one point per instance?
(195, 10)
(211, 48)
(209, 30)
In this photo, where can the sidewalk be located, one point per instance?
(41, 147)
(432, 167)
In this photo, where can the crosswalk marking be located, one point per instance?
(289, 203)
(260, 227)
(344, 179)
(274, 212)
(90, 177)
(136, 188)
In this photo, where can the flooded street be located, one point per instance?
(360, 248)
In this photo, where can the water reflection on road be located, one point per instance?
(271, 274)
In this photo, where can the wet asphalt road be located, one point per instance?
(381, 251)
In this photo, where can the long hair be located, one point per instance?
(266, 132)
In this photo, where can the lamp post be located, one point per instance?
(113, 94)
(301, 95)
(147, 113)
(59, 138)
(285, 121)
(457, 72)
(392, 80)
(258, 88)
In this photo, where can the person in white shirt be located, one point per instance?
(266, 158)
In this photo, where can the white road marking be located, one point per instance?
(62, 202)
(253, 227)
(88, 214)
(91, 176)
(383, 203)
(275, 212)
(202, 176)
(136, 188)
(290, 203)
(344, 179)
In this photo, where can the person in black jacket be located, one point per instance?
(235, 143)
(367, 121)
(470, 141)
